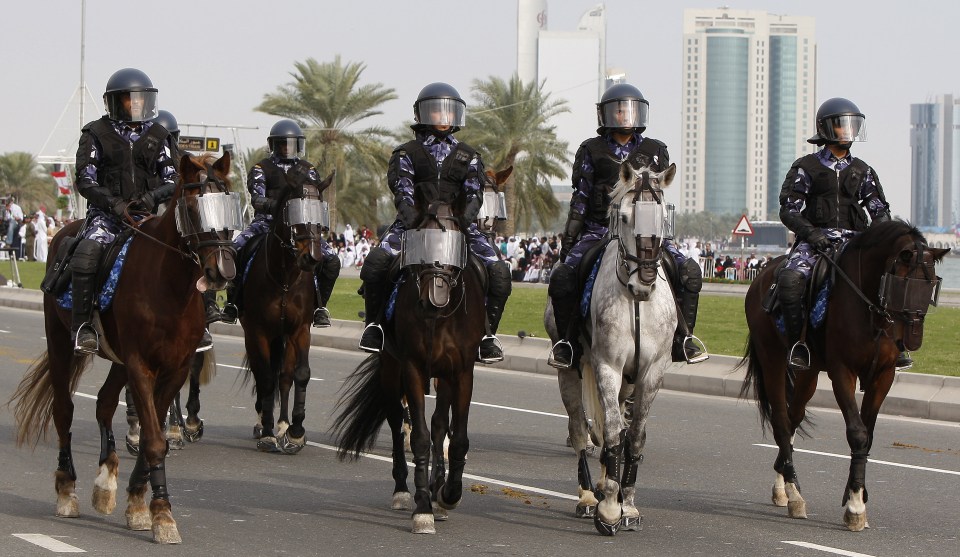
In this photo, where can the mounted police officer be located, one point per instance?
(441, 168)
(825, 199)
(123, 161)
(285, 168)
(622, 117)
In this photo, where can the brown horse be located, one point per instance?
(435, 333)
(150, 332)
(883, 283)
(278, 303)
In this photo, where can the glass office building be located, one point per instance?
(935, 162)
(748, 104)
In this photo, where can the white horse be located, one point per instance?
(626, 348)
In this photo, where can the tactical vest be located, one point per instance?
(606, 172)
(832, 201)
(126, 169)
(444, 184)
(276, 178)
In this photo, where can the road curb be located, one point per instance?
(914, 395)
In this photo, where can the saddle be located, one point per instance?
(814, 293)
(58, 277)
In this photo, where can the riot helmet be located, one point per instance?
(622, 108)
(839, 122)
(439, 105)
(169, 122)
(286, 140)
(130, 96)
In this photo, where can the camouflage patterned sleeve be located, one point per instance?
(582, 181)
(872, 197)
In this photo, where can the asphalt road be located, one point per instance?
(705, 479)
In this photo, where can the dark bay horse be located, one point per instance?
(883, 283)
(150, 333)
(278, 303)
(627, 342)
(435, 333)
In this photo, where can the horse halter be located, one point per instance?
(648, 218)
(306, 216)
(906, 297)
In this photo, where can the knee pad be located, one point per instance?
(563, 282)
(691, 277)
(501, 284)
(376, 265)
(86, 257)
(330, 267)
(790, 285)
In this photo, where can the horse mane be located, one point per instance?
(885, 233)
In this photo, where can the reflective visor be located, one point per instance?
(624, 114)
(289, 147)
(441, 112)
(132, 106)
(844, 128)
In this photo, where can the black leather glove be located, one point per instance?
(470, 212)
(118, 206)
(265, 204)
(819, 241)
(146, 201)
(570, 234)
(408, 215)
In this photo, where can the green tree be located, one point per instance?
(328, 101)
(510, 125)
(23, 177)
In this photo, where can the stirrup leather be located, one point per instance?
(553, 362)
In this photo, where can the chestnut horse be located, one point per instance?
(150, 332)
(882, 285)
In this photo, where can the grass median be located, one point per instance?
(721, 323)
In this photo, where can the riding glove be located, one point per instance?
(408, 215)
(819, 241)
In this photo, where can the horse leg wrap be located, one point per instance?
(158, 481)
(858, 474)
(139, 475)
(583, 471)
(107, 444)
(610, 456)
(65, 459)
(631, 465)
(789, 473)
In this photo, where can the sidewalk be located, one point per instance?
(913, 394)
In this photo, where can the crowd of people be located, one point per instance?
(27, 233)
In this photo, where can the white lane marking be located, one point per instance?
(871, 460)
(469, 476)
(828, 549)
(47, 542)
(538, 412)
(3, 331)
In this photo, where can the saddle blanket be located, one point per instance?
(818, 313)
(588, 287)
(109, 286)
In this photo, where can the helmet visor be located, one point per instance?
(844, 128)
(131, 106)
(441, 112)
(288, 147)
(631, 113)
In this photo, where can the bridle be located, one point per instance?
(648, 218)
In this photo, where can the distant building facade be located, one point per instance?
(749, 84)
(935, 162)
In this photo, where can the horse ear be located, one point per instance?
(503, 175)
(328, 181)
(187, 161)
(223, 164)
(939, 253)
(668, 175)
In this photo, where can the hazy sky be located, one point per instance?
(214, 60)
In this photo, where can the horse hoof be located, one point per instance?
(440, 514)
(104, 496)
(292, 446)
(423, 524)
(606, 528)
(401, 501)
(268, 445)
(443, 504)
(632, 523)
(193, 434)
(855, 522)
(779, 497)
(797, 509)
(175, 443)
(166, 533)
(138, 519)
(586, 511)
(257, 431)
(133, 446)
(68, 506)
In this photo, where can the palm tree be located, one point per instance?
(327, 99)
(510, 124)
(23, 177)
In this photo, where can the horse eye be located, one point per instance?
(623, 219)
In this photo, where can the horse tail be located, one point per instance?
(754, 379)
(207, 369)
(362, 409)
(34, 397)
(590, 396)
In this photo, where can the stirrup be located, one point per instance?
(206, 342)
(799, 351)
(554, 362)
(904, 361)
(490, 359)
(698, 345)
(369, 348)
(81, 349)
(321, 318)
(230, 313)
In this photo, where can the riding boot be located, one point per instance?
(230, 312)
(373, 297)
(791, 286)
(85, 339)
(326, 277)
(211, 307)
(562, 353)
(687, 347)
(499, 290)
